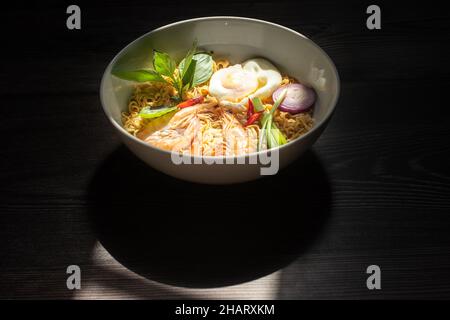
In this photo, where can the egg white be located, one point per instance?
(268, 76)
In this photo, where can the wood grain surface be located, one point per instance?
(375, 188)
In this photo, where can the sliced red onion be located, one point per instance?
(299, 98)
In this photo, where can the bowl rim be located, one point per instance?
(316, 127)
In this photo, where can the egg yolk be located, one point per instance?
(233, 80)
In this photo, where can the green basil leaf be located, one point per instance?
(163, 63)
(186, 62)
(139, 75)
(149, 113)
(185, 88)
(203, 68)
(189, 74)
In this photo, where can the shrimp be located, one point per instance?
(234, 135)
(239, 139)
(177, 140)
(252, 141)
(204, 129)
(181, 130)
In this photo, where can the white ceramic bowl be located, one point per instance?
(237, 39)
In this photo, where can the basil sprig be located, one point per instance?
(196, 68)
(163, 63)
(199, 69)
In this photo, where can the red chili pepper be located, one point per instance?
(251, 108)
(190, 102)
(253, 118)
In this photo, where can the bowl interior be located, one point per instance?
(236, 39)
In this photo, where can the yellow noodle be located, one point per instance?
(293, 125)
(149, 94)
(220, 64)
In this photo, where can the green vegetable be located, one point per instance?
(270, 132)
(139, 75)
(149, 113)
(277, 135)
(271, 140)
(186, 62)
(189, 74)
(163, 63)
(194, 69)
(199, 70)
(257, 104)
(278, 102)
(203, 68)
(263, 136)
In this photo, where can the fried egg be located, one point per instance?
(233, 86)
(232, 83)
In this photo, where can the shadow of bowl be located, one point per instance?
(194, 235)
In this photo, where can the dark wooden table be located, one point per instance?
(374, 190)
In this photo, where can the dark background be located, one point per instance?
(373, 190)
